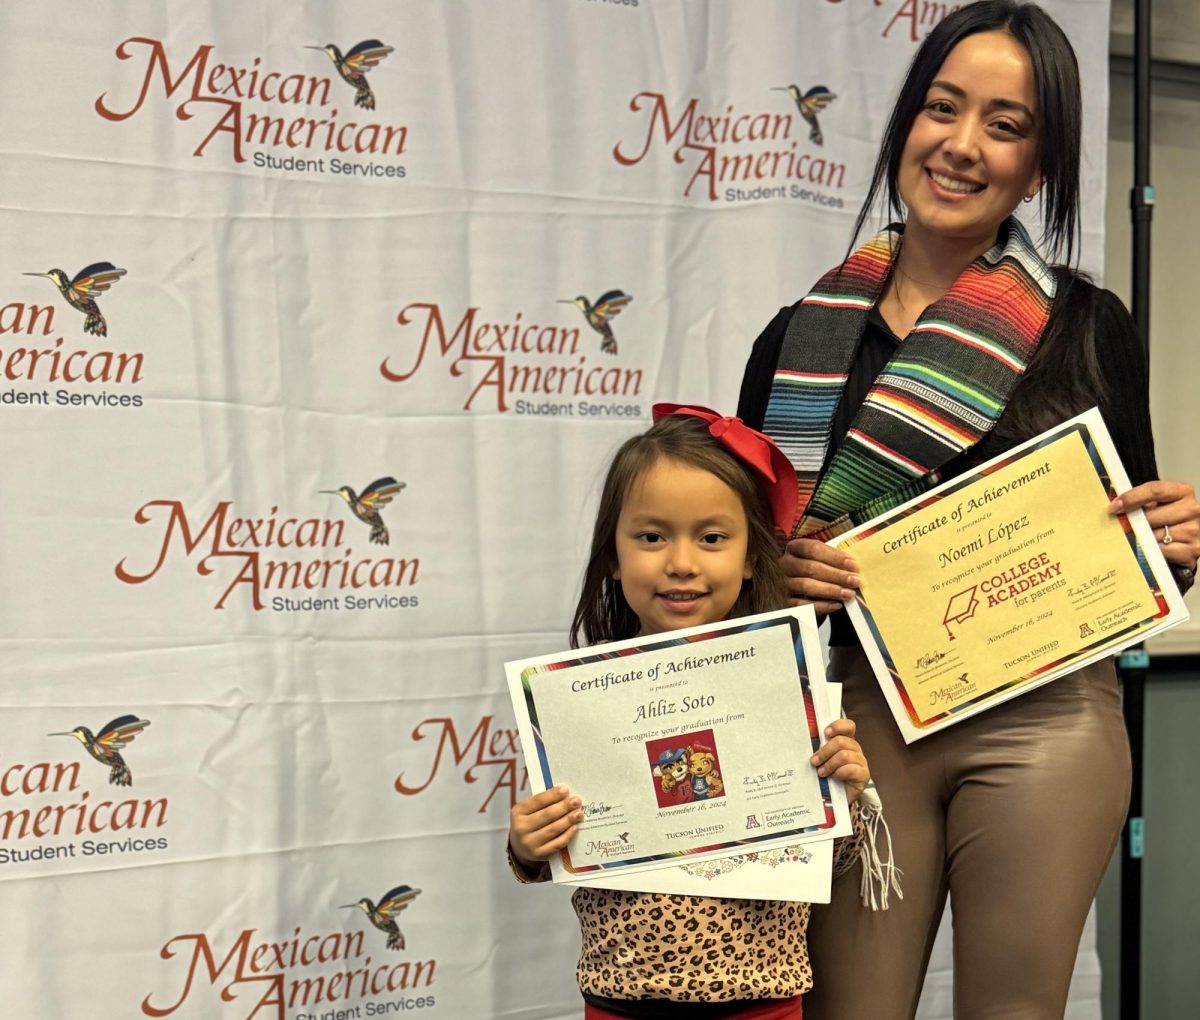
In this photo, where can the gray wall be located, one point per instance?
(1171, 880)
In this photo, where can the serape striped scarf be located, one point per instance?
(942, 391)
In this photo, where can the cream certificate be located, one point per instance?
(803, 873)
(690, 743)
(1002, 580)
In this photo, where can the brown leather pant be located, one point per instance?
(1015, 813)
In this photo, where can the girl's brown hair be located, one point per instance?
(602, 613)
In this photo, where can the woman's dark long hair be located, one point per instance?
(603, 614)
(1065, 376)
(1048, 394)
(1059, 112)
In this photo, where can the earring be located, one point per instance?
(1029, 198)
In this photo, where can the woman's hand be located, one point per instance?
(1173, 512)
(819, 574)
(541, 825)
(842, 758)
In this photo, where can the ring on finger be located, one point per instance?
(1167, 539)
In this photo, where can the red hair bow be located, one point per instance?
(759, 452)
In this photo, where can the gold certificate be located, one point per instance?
(1004, 579)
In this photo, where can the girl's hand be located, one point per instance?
(841, 757)
(1171, 509)
(541, 825)
(819, 574)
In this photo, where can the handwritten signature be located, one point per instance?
(1095, 581)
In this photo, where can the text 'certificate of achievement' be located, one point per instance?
(1006, 578)
(690, 743)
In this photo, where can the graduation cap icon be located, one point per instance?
(960, 608)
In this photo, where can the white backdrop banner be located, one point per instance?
(305, 398)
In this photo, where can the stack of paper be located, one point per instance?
(690, 750)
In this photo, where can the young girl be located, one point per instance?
(685, 535)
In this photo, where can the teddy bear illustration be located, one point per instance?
(672, 771)
(706, 780)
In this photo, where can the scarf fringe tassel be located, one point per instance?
(880, 877)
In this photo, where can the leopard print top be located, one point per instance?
(693, 948)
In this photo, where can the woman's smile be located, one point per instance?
(956, 185)
(972, 152)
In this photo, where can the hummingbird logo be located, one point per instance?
(366, 507)
(81, 291)
(353, 67)
(809, 104)
(106, 746)
(607, 305)
(383, 916)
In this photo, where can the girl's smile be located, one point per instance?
(681, 547)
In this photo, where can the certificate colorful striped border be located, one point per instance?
(658, 643)
(1105, 473)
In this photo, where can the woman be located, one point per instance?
(1014, 812)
